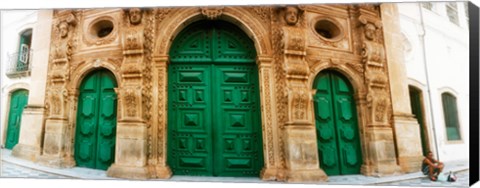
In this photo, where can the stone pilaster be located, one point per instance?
(269, 128)
(29, 145)
(379, 134)
(56, 139)
(161, 169)
(301, 156)
(131, 139)
(407, 129)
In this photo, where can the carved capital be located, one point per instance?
(132, 68)
(160, 61)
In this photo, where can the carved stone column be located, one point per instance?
(32, 125)
(301, 156)
(131, 140)
(407, 129)
(269, 128)
(58, 103)
(161, 169)
(380, 144)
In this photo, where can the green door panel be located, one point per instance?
(18, 101)
(190, 120)
(237, 119)
(96, 121)
(214, 115)
(337, 128)
(212, 42)
(416, 104)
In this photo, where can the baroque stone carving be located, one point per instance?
(130, 103)
(151, 17)
(133, 42)
(300, 100)
(380, 110)
(212, 13)
(265, 73)
(263, 12)
(357, 67)
(135, 16)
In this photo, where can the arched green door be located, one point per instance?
(214, 125)
(18, 101)
(96, 121)
(337, 127)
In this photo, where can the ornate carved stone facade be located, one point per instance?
(293, 44)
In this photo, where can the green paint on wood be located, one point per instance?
(96, 121)
(214, 125)
(337, 127)
(450, 113)
(417, 110)
(18, 101)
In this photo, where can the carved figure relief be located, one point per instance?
(291, 15)
(135, 16)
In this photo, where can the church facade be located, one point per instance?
(286, 93)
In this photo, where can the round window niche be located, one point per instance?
(101, 29)
(327, 29)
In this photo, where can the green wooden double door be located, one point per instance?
(18, 101)
(337, 127)
(96, 121)
(214, 125)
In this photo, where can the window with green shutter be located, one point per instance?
(451, 116)
(24, 50)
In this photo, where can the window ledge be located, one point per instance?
(18, 74)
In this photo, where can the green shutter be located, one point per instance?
(451, 116)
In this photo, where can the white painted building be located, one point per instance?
(25, 43)
(15, 73)
(436, 54)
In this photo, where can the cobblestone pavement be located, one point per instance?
(8, 170)
(11, 167)
(462, 181)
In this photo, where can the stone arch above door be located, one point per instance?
(256, 29)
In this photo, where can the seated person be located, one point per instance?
(431, 166)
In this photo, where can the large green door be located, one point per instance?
(214, 126)
(337, 128)
(18, 101)
(96, 121)
(417, 110)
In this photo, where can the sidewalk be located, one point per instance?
(85, 173)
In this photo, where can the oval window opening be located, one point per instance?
(102, 28)
(327, 29)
